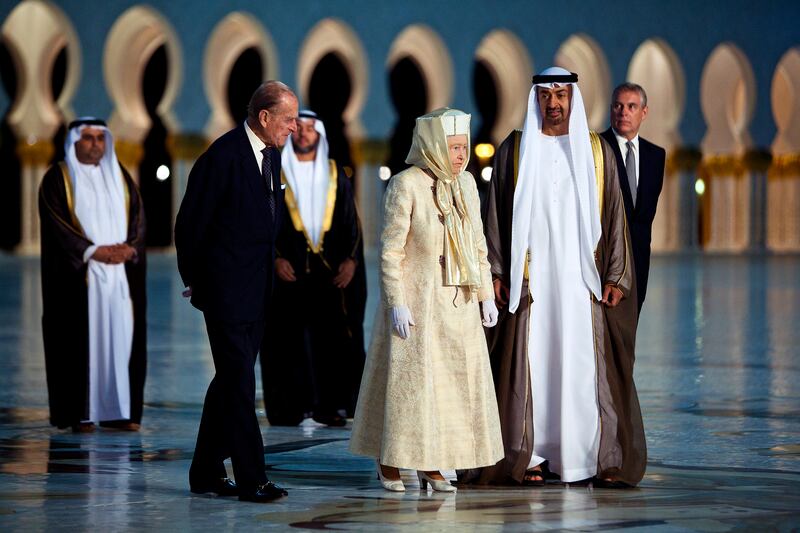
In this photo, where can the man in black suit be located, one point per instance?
(225, 239)
(641, 173)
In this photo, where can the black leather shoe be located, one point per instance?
(221, 487)
(267, 492)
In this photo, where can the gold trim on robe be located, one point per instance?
(599, 169)
(71, 205)
(517, 140)
(69, 194)
(330, 203)
(599, 173)
(127, 203)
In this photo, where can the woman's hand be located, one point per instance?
(402, 321)
(489, 312)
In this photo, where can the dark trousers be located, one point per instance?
(305, 356)
(229, 426)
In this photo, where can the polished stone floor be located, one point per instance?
(718, 366)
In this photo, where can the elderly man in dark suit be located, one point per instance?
(225, 239)
(641, 174)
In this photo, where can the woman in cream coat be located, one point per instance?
(427, 399)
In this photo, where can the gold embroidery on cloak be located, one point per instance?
(70, 197)
(517, 139)
(327, 219)
(599, 169)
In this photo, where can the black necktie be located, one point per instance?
(266, 171)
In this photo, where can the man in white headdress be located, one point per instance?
(560, 255)
(93, 285)
(312, 364)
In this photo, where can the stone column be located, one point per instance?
(684, 205)
(369, 155)
(726, 203)
(130, 154)
(184, 149)
(665, 225)
(757, 163)
(783, 204)
(34, 159)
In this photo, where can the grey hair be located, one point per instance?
(632, 87)
(268, 95)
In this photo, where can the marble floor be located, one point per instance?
(718, 366)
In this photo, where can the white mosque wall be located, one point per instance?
(35, 32)
(234, 34)
(728, 96)
(656, 67)
(335, 36)
(512, 68)
(131, 42)
(696, 70)
(580, 53)
(783, 182)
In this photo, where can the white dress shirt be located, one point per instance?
(623, 149)
(257, 145)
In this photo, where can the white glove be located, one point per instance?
(402, 321)
(489, 312)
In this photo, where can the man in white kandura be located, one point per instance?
(93, 284)
(569, 238)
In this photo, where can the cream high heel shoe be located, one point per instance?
(392, 485)
(436, 484)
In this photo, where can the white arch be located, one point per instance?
(233, 35)
(580, 53)
(331, 35)
(429, 53)
(511, 67)
(133, 38)
(656, 67)
(727, 97)
(783, 188)
(785, 97)
(36, 31)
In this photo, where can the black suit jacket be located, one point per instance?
(640, 218)
(224, 234)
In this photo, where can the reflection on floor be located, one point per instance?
(718, 367)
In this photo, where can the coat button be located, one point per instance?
(441, 219)
(433, 189)
(441, 260)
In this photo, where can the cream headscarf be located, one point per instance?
(429, 151)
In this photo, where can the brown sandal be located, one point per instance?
(610, 483)
(529, 479)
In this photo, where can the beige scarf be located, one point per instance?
(429, 151)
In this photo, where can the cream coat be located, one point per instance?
(427, 402)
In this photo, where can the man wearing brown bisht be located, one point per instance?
(562, 354)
